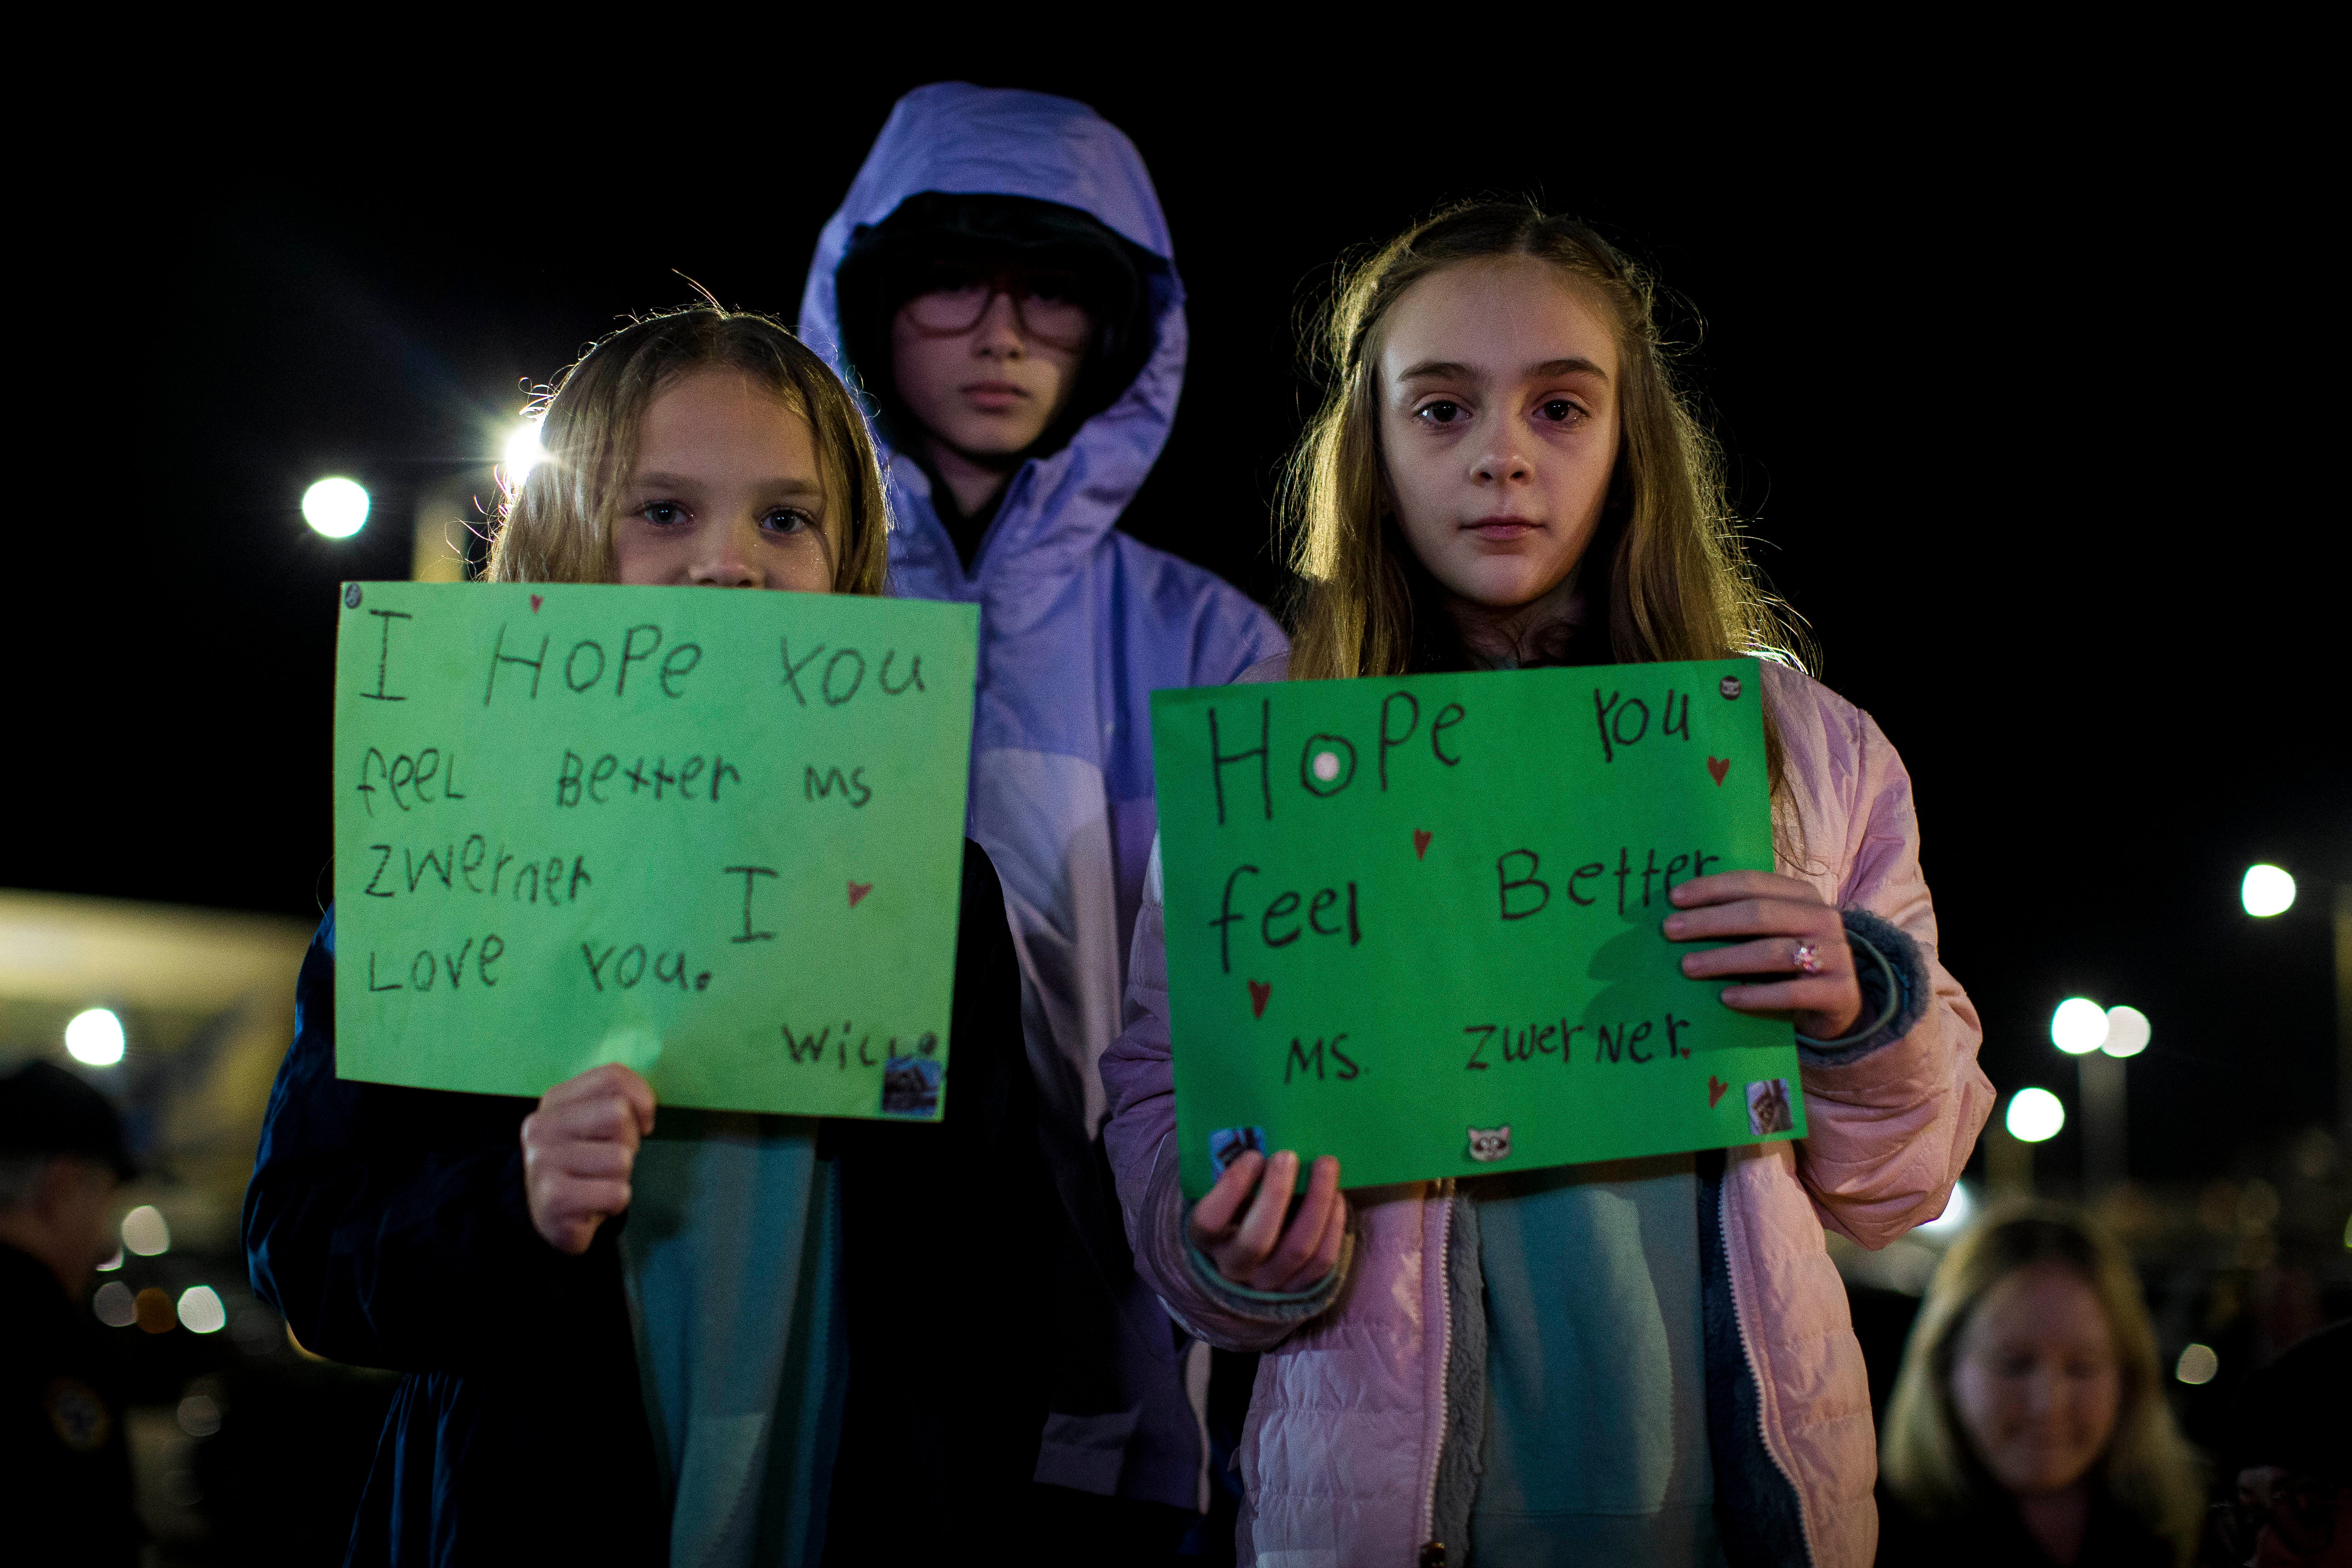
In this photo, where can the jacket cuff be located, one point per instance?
(1268, 1305)
(1893, 976)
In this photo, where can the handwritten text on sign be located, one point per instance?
(1415, 922)
(717, 837)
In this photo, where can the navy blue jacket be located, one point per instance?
(390, 1226)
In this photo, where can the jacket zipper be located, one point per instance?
(1445, 1354)
(1731, 1285)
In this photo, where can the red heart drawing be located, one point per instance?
(859, 891)
(534, 604)
(1715, 1087)
(1259, 991)
(1718, 766)
(1419, 842)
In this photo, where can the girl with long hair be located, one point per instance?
(762, 1368)
(2028, 1422)
(1648, 1361)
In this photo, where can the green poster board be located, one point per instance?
(1414, 922)
(716, 837)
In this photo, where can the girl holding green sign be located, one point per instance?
(1646, 1361)
(701, 1337)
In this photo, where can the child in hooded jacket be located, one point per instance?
(1643, 1362)
(1000, 285)
(701, 1337)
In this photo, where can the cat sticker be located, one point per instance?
(1228, 1144)
(910, 1085)
(1488, 1144)
(1730, 687)
(1767, 1107)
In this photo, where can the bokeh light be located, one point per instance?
(2267, 890)
(201, 1309)
(1954, 1218)
(151, 1310)
(337, 508)
(199, 1415)
(2035, 1116)
(114, 1305)
(2079, 1026)
(145, 1232)
(95, 1039)
(2197, 1363)
(2128, 1032)
(522, 453)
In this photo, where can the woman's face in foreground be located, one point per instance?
(1498, 426)
(2034, 1379)
(727, 492)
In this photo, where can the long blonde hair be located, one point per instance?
(1666, 568)
(557, 526)
(2149, 1467)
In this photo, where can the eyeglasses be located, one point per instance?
(1045, 307)
(2301, 1513)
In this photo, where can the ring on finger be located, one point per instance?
(1806, 960)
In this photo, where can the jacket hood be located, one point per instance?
(959, 139)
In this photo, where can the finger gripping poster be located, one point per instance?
(1415, 922)
(717, 837)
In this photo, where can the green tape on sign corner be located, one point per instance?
(1415, 922)
(716, 837)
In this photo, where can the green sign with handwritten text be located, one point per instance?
(716, 837)
(1415, 922)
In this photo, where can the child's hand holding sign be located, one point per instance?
(1792, 931)
(1244, 1235)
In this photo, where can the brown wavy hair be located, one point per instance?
(1665, 576)
(557, 525)
(2149, 1467)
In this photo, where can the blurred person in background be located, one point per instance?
(2029, 1425)
(65, 1468)
(2290, 1450)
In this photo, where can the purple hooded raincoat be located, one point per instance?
(1079, 624)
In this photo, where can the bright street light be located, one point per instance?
(2267, 890)
(95, 1039)
(2034, 1116)
(522, 453)
(1954, 1218)
(145, 1232)
(337, 508)
(2079, 1026)
(202, 1310)
(2128, 1032)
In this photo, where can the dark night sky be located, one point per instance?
(2030, 428)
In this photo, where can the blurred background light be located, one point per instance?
(199, 1415)
(151, 1310)
(2079, 1026)
(95, 1039)
(2128, 1032)
(201, 1309)
(2034, 1115)
(337, 508)
(145, 1232)
(522, 453)
(2267, 890)
(114, 1263)
(1955, 1218)
(2197, 1363)
(114, 1305)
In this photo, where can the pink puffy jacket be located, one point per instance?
(1339, 1457)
